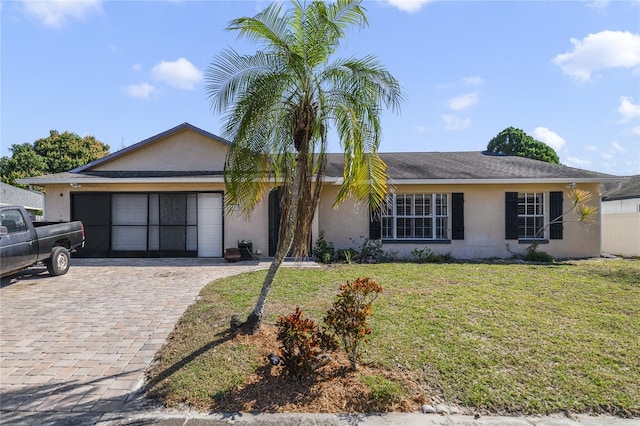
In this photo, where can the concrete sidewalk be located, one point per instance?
(169, 418)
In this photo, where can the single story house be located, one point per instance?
(32, 201)
(164, 196)
(621, 217)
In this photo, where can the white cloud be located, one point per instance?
(627, 109)
(451, 122)
(636, 130)
(577, 162)
(617, 147)
(408, 5)
(549, 137)
(137, 67)
(599, 51)
(141, 91)
(56, 13)
(606, 155)
(591, 148)
(181, 74)
(598, 4)
(463, 101)
(474, 81)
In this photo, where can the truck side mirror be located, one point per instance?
(4, 230)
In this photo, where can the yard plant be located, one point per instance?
(280, 105)
(495, 337)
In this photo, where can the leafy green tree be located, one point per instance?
(280, 103)
(59, 152)
(24, 162)
(514, 141)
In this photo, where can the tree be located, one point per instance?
(280, 103)
(514, 141)
(59, 152)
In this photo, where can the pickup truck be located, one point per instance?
(24, 243)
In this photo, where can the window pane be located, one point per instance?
(421, 207)
(387, 227)
(441, 204)
(403, 205)
(404, 228)
(442, 223)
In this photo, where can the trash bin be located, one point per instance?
(246, 250)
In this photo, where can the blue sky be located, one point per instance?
(566, 72)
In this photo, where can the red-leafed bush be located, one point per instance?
(302, 344)
(348, 315)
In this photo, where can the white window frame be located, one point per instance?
(531, 203)
(391, 216)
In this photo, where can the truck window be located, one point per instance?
(13, 220)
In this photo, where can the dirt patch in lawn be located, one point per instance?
(334, 389)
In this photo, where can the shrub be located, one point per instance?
(538, 256)
(348, 255)
(347, 317)
(323, 251)
(370, 251)
(302, 344)
(425, 255)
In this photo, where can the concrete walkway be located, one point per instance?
(73, 349)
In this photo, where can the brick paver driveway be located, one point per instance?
(81, 342)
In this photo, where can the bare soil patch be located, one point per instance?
(334, 389)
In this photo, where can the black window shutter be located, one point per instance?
(375, 224)
(555, 212)
(511, 216)
(457, 216)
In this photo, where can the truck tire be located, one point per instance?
(58, 263)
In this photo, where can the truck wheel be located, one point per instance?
(58, 263)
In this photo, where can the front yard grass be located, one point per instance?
(489, 338)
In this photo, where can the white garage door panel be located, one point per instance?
(209, 225)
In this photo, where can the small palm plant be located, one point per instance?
(583, 212)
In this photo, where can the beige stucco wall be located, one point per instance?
(348, 224)
(236, 226)
(185, 150)
(483, 218)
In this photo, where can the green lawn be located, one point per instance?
(496, 338)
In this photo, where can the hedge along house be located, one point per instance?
(164, 196)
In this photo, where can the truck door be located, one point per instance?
(19, 247)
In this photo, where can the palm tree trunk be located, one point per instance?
(252, 325)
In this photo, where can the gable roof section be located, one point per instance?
(143, 144)
(622, 189)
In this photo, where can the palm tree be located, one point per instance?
(280, 104)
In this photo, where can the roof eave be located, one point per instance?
(328, 179)
(98, 180)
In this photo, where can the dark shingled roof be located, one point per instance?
(23, 197)
(467, 165)
(621, 189)
(414, 166)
